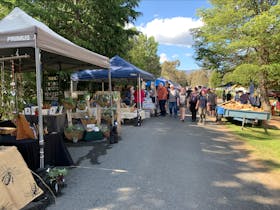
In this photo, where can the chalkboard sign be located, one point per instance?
(52, 91)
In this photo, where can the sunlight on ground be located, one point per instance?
(107, 207)
(125, 193)
(231, 184)
(264, 178)
(260, 199)
(103, 169)
(221, 152)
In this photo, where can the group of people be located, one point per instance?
(132, 96)
(243, 97)
(197, 100)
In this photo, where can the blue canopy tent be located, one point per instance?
(163, 81)
(119, 68)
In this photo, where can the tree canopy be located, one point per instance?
(97, 25)
(169, 71)
(240, 34)
(143, 53)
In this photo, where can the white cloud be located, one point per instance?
(175, 56)
(163, 57)
(188, 54)
(128, 26)
(171, 31)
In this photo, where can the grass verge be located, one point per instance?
(266, 146)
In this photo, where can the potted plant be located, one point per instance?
(69, 103)
(81, 105)
(74, 132)
(105, 130)
(56, 177)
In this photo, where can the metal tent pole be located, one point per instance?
(139, 92)
(111, 96)
(39, 103)
(71, 87)
(2, 83)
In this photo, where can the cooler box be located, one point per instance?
(220, 110)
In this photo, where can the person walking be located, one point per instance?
(162, 97)
(192, 103)
(211, 102)
(182, 103)
(201, 106)
(173, 100)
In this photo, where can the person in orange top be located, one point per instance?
(162, 97)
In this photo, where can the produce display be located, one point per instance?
(238, 106)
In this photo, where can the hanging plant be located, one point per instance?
(81, 105)
(69, 103)
(74, 132)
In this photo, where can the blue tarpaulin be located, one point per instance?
(119, 67)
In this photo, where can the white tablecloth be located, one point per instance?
(132, 115)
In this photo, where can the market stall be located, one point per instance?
(22, 36)
(242, 112)
(120, 69)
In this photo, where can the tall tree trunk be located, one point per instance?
(264, 91)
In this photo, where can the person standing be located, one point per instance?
(224, 96)
(173, 100)
(211, 102)
(132, 91)
(152, 92)
(244, 98)
(228, 96)
(237, 96)
(201, 106)
(126, 96)
(192, 102)
(182, 103)
(162, 97)
(139, 100)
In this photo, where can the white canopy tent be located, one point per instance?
(20, 34)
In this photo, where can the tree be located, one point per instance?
(97, 25)
(143, 54)
(168, 69)
(215, 79)
(198, 77)
(181, 78)
(241, 32)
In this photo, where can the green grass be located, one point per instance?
(266, 146)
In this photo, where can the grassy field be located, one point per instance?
(266, 146)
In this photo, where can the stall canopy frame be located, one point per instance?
(120, 69)
(22, 34)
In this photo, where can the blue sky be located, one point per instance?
(169, 22)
